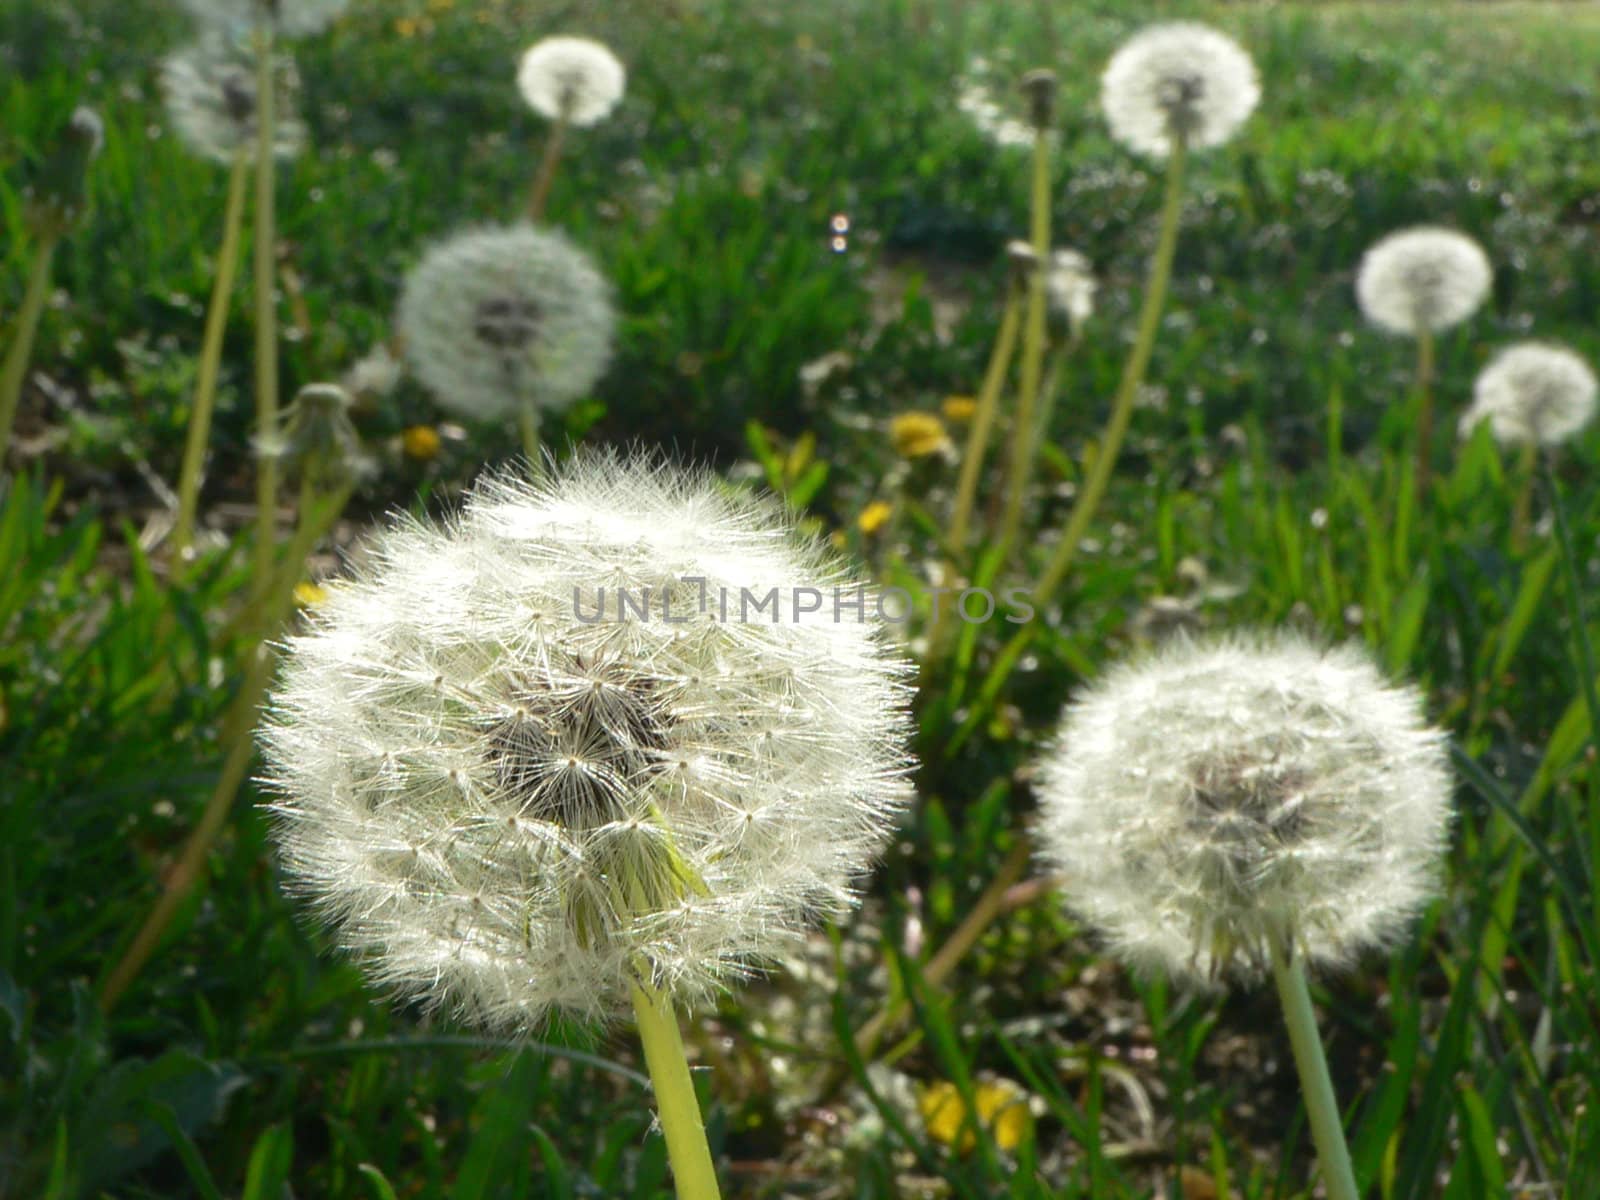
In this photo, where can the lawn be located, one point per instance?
(806, 236)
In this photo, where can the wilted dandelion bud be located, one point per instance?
(320, 444)
(1070, 287)
(285, 18)
(210, 90)
(1422, 279)
(549, 749)
(571, 78)
(497, 318)
(1039, 90)
(1229, 791)
(1178, 80)
(1533, 393)
(55, 198)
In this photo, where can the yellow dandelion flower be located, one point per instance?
(874, 516)
(420, 442)
(918, 434)
(1002, 1109)
(307, 594)
(959, 408)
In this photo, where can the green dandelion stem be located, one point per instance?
(1005, 346)
(528, 423)
(1327, 1127)
(694, 1176)
(21, 348)
(266, 317)
(539, 195)
(205, 392)
(1023, 428)
(1522, 509)
(1424, 409)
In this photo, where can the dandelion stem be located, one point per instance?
(205, 391)
(21, 348)
(266, 316)
(1424, 388)
(1005, 345)
(528, 422)
(1023, 427)
(540, 194)
(694, 1176)
(1522, 509)
(1105, 458)
(1327, 1127)
(314, 520)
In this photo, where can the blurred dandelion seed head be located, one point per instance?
(1226, 791)
(975, 99)
(1426, 278)
(210, 93)
(497, 317)
(1179, 79)
(1533, 393)
(505, 808)
(572, 76)
(285, 18)
(1070, 286)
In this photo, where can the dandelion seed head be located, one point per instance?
(210, 92)
(506, 806)
(1225, 792)
(285, 18)
(573, 75)
(1178, 78)
(498, 317)
(1070, 286)
(1533, 393)
(1426, 278)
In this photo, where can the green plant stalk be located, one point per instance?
(1424, 386)
(266, 241)
(1105, 458)
(238, 727)
(1005, 345)
(539, 196)
(694, 1177)
(21, 348)
(1023, 426)
(1327, 1127)
(528, 423)
(1522, 509)
(205, 392)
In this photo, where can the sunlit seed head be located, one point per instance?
(505, 807)
(1070, 286)
(575, 78)
(499, 317)
(1533, 393)
(284, 18)
(210, 92)
(1426, 278)
(1229, 791)
(976, 100)
(1179, 79)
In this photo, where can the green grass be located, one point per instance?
(1264, 483)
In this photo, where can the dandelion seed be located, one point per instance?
(376, 374)
(1226, 794)
(1422, 280)
(574, 79)
(505, 810)
(1181, 79)
(210, 92)
(1533, 393)
(285, 18)
(497, 318)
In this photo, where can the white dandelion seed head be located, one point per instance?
(1426, 278)
(286, 18)
(1533, 393)
(210, 92)
(1229, 791)
(507, 801)
(1178, 78)
(498, 317)
(1070, 286)
(375, 374)
(573, 75)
